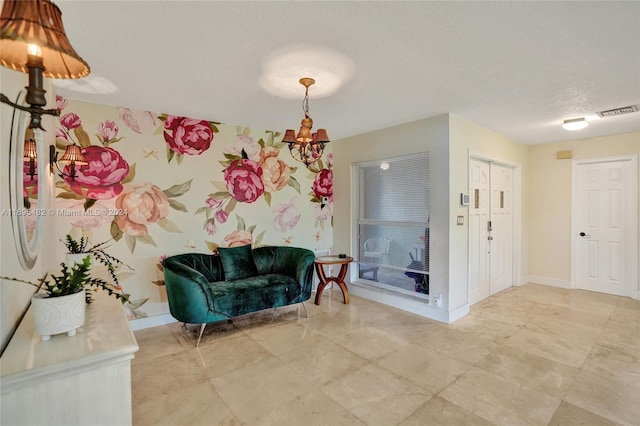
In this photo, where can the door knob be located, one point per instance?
(490, 238)
(582, 234)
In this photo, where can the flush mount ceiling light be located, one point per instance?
(575, 124)
(305, 146)
(32, 40)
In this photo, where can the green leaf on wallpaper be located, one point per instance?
(170, 154)
(113, 140)
(251, 229)
(116, 233)
(220, 195)
(131, 175)
(131, 242)
(261, 143)
(212, 246)
(82, 136)
(169, 225)
(213, 127)
(146, 239)
(232, 157)
(267, 198)
(177, 205)
(200, 210)
(241, 225)
(68, 195)
(246, 131)
(279, 145)
(293, 169)
(159, 130)
(293, 182)
(163, 117)
(179, 158)
(177, 190)
(231, 205)
(222, 186)
(320, 164)
(61, 144)
(90, 202)
(258, 240)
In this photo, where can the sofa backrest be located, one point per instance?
(282, 259)
(206, 264)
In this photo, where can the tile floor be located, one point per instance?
(530, 355)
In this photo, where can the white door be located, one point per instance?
(478, 231)
(490, 229)
(501, 235)
(605, 219)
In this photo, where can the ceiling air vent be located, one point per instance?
(617, 111)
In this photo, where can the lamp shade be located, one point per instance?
(30, 150)
(73, 155)
(321, 136)
(38, 22)
(289, 136)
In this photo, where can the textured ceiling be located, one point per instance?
(519, 68)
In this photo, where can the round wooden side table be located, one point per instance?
(324, 280)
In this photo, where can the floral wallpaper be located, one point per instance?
(158, 184)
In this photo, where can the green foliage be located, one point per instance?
(98, 252)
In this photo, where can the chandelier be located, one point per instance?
(306, 147)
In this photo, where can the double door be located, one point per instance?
(490, 229)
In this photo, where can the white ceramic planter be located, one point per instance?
(55, 315)
(73, 258)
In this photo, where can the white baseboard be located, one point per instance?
(415, 305)
(152, 321)
(554, 282)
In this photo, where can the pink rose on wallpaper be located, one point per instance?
(189, 136)
(221, 216)
(61, 103)
(212, 203)
(102, 176)
(249, 145)
(138, 121)
(324, 213)
(211, 228)
(287, 216)
(330, 159)
(244, 181)
(323, 184)
(144, 204)
(108, 130)
(70, 121)
(238, 238)
(276, 174)
(61, 134)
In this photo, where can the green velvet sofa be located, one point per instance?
(205, 288)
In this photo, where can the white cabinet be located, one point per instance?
(79, 380)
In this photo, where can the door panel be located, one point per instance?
(490, 249)
(478, 242)
(501, 213)
(602, 217)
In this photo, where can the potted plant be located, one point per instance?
(60, 306)
(77, 251)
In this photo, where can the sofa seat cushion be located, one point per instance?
(238, 297)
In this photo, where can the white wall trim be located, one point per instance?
(152, 321)
(553, 282)
(405, 302)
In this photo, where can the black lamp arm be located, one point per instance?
(36, 111)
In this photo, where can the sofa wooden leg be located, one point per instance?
(306, 314)
(202, 326)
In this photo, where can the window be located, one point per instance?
(393, 223)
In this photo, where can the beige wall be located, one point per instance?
(469, 138)
(548, 187)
